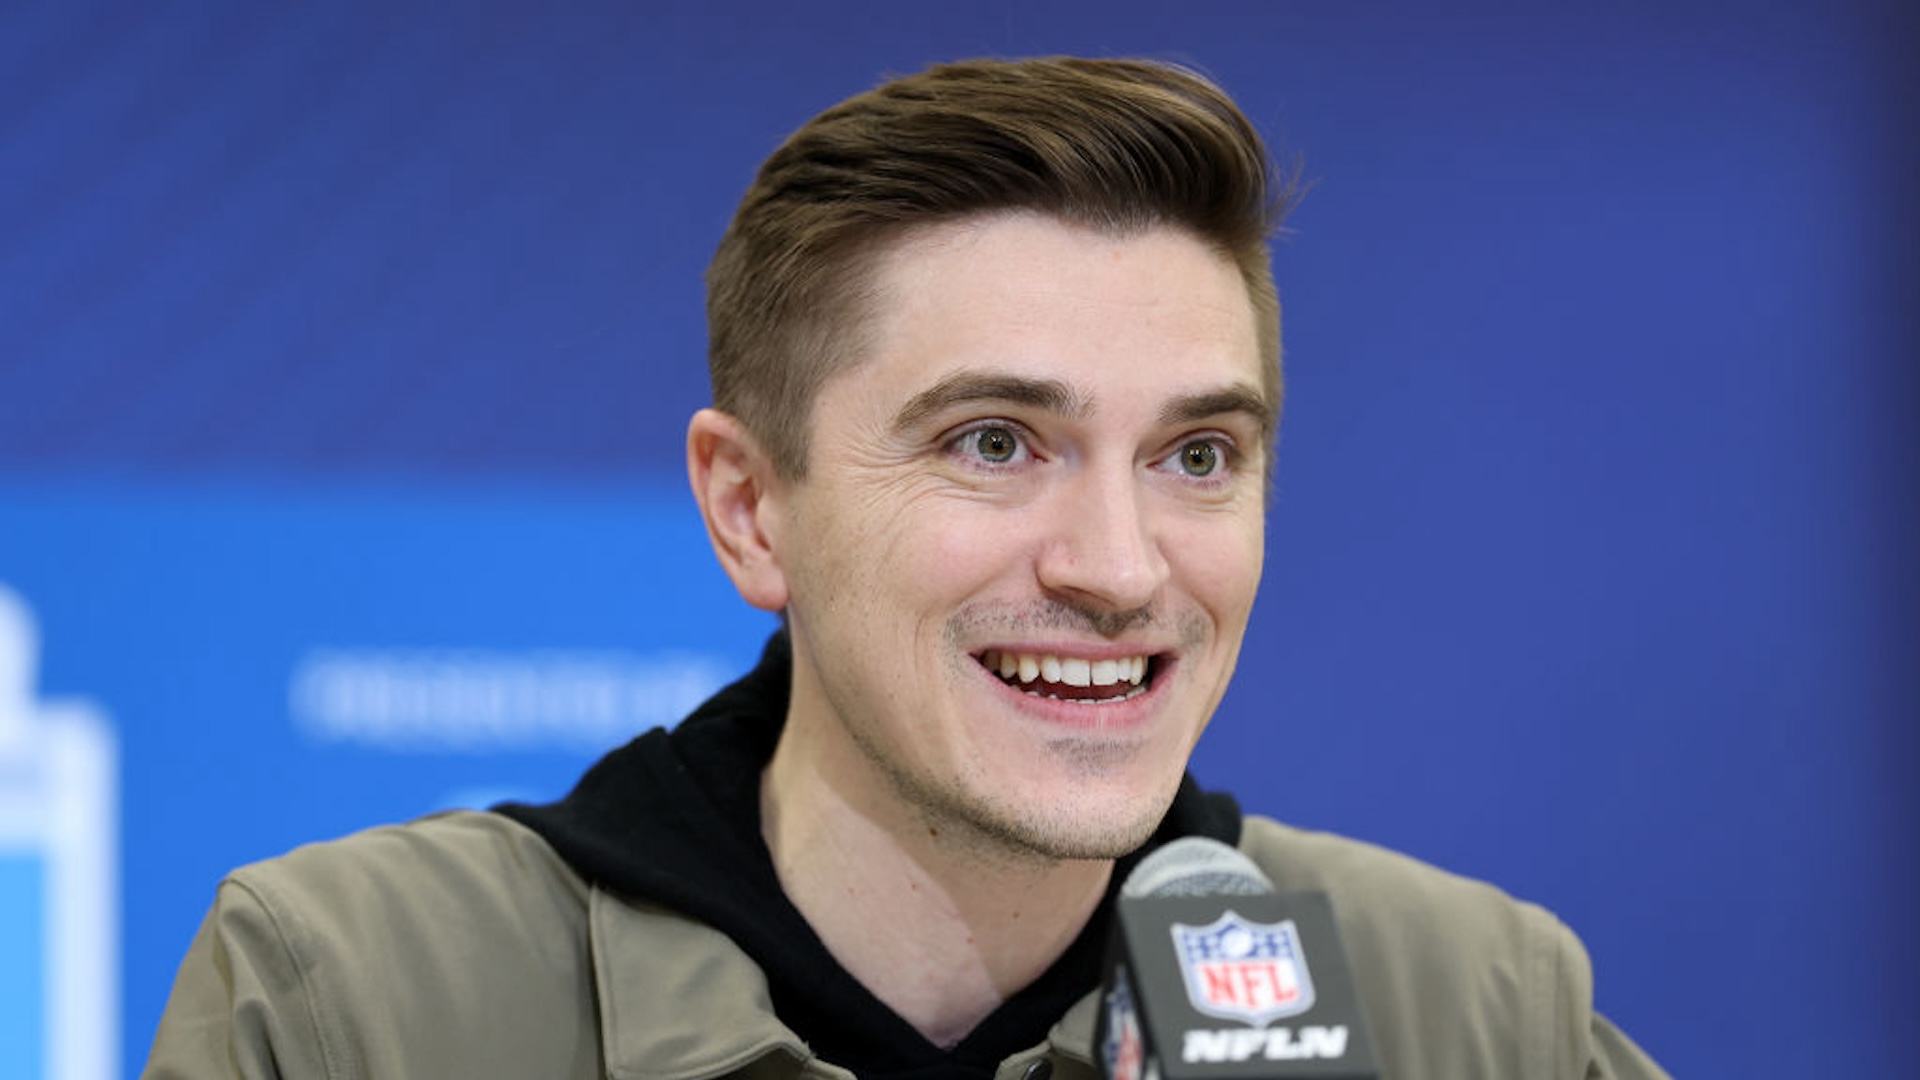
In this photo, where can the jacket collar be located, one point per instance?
(680, 1001)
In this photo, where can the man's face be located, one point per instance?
(1021, 562)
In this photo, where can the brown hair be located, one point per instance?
(1117, 145)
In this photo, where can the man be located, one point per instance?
(995, 355)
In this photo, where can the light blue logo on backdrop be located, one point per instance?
(496, 700)
(59, 945)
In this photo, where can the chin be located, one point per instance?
(1081, 828)
(1095, 843)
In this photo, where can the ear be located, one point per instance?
(739, 495)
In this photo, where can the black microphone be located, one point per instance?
(1215, 976)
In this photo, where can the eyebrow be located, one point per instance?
(1050, 395)
(1238, 398)
(1054, 396)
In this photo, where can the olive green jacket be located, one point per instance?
(462, 946)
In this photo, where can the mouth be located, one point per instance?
(1072, 678)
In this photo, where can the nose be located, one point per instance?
(1102, 550)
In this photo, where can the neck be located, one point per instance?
(939, 923)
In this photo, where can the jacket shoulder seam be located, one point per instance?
(319, 1011)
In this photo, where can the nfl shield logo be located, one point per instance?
(1241, 970)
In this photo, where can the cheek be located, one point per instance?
(893, 547)
(930, 540)
(1220, 564)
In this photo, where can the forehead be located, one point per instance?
(1028, 294)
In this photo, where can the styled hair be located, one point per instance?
(1121, 146)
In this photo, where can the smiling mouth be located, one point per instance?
(1067, 678)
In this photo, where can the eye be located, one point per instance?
(992, 444)
(1200, 459)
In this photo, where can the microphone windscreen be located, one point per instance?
(1195, 866)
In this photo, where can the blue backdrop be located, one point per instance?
(346, 351)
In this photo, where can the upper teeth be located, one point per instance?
(1066, 670)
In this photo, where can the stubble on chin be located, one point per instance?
(1053, 834)
(1044, 830)
(1004, 829)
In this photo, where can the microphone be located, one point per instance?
(1215, 976)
